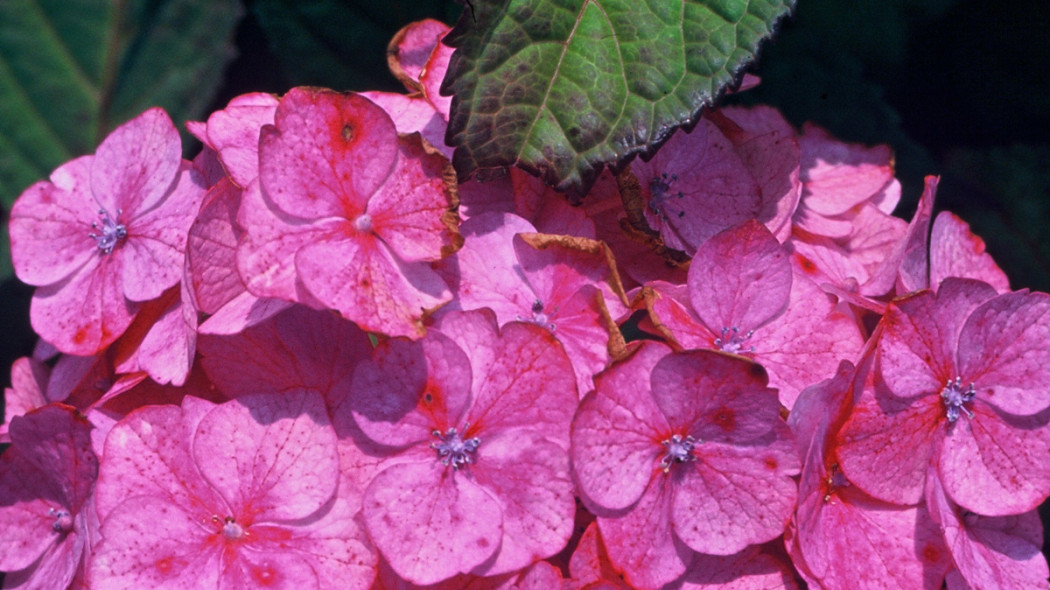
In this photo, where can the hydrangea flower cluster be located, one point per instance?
(311, 359)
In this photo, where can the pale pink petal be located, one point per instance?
(431, 522)
(1002, 348)
(432, 76)
(240, 313)
(168, 350)
(327, 153)
(211, 249)
(956, 252)
(617, 431)
(410, 50)
(411, 114)
(50, 226)
(837, 176)
(536, 524)
(136, 165)
(271, 457)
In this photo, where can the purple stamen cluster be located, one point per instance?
(63, 520)
(732, 342)
(453, 450)
(679, 450)
(539, 317)
(231, 529)
(955, 396)
(110, 232)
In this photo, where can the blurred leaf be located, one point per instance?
(72, 70)
(563, 87)
(341, 45)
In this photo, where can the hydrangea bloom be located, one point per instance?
(682, 452)
(107, 232)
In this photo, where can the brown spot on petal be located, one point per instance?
(347, 132)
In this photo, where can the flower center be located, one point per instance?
(363, 223)
(453, 450)
(539, 317)
(732, 341)
(231, 529)
(109, 232)
(659, 188)
(955, 396)
(679, 450)
(63, 520)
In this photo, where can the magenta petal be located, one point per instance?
(735, 496)
(51, 225)
(996, 464)
(57, 440)
(136, 164)
(641, 543)
(281, 570)
(411, 114)
(29, 379)
(1003, 348)
(26, 497)
(956, 252)
(740, 278)
(529, 477)
(886, 444)
(271, 456)
(750, 569)
(298, 348)
(211, 249)
(411, 389)
(715, 397)
(920, 335)
(151, 543)
(617, 432)
(234, 134)
(327, 153)
(431, 522)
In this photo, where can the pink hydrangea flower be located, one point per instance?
(105, 233)
(46, 479)
(961, 381)
(682, 452)
(475, 420)
(743, 297)
(349, 218)
(240, 495)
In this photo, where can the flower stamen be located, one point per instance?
(453, 450)
(679, 450)
(110, 232)
(955, 396)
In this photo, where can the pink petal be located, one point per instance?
(411, 389)
(299, 348)
(410, 50)
(29, 379)
(411, 114)
(837, 176)
(956, 252)
(327, 153)
(372, 287)
(287, 570)
(750, 569)
(735, 496)
(920, 335)
(529, 477)
(211, 249)
(234, 134)
(25, 523)
(995, 464)
(886, 444)
(766, 144)
(51, 225)
(1002, 347)
(432, 77)
(85, 313)
(431, 522)
(152, 543)
(412, 211)
(617, 432)
(168, 350)
(136, 165)
(270, 456)
(740, 278)
(155, 250)
(641, 544)
(240, 313)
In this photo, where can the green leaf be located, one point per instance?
(563, 87)
(72, 70)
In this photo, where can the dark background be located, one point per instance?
(958, 88)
